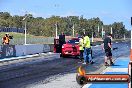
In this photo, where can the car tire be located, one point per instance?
(76, 57)
(62, 55)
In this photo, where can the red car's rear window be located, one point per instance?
(73, 41)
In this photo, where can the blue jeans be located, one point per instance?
(87, 55)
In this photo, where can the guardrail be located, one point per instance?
(22, 50)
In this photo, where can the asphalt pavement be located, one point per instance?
(42, 72)
(120, 67)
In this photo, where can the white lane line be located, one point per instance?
(109, 69)
(87, 86)
(57, 55)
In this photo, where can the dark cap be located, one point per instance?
(84, 34)
(109, 34)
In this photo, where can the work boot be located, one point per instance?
(106, 64)
(91, 62)
(84, 63)
(111, 63)
(81, 60)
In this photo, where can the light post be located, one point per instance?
(84, 31)
(98, 30)
(92, 36)
(56, 30)
(25, 28)
(124, 33)
(25, 32)
(73, 27)
(111, 32)
(92, 32)
(124, 37)
(73, 30)
(102, 32)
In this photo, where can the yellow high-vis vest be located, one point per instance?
(81, 44)
(87, 42)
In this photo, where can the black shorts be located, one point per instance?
(108, 52)
(81, 54)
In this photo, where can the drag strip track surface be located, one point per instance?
(33, 72)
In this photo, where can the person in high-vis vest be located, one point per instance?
(6, 39)
(81, 48)
(87, 50)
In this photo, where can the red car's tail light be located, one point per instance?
(63, 46)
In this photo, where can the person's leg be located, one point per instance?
(110, 58)
(90, 58)
(81, 55)
(106, 57)
(84, 55)
(89, 55)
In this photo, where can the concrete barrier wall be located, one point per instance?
(21, 50)
(0, 51)
(51, 47)
(33, 49)
(46, 48)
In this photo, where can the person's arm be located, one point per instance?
(109, 43)
(102, 46)
(80, 43)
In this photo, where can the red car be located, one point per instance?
(71, 48)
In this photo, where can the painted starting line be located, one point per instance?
(120, 67)
(56, 55)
